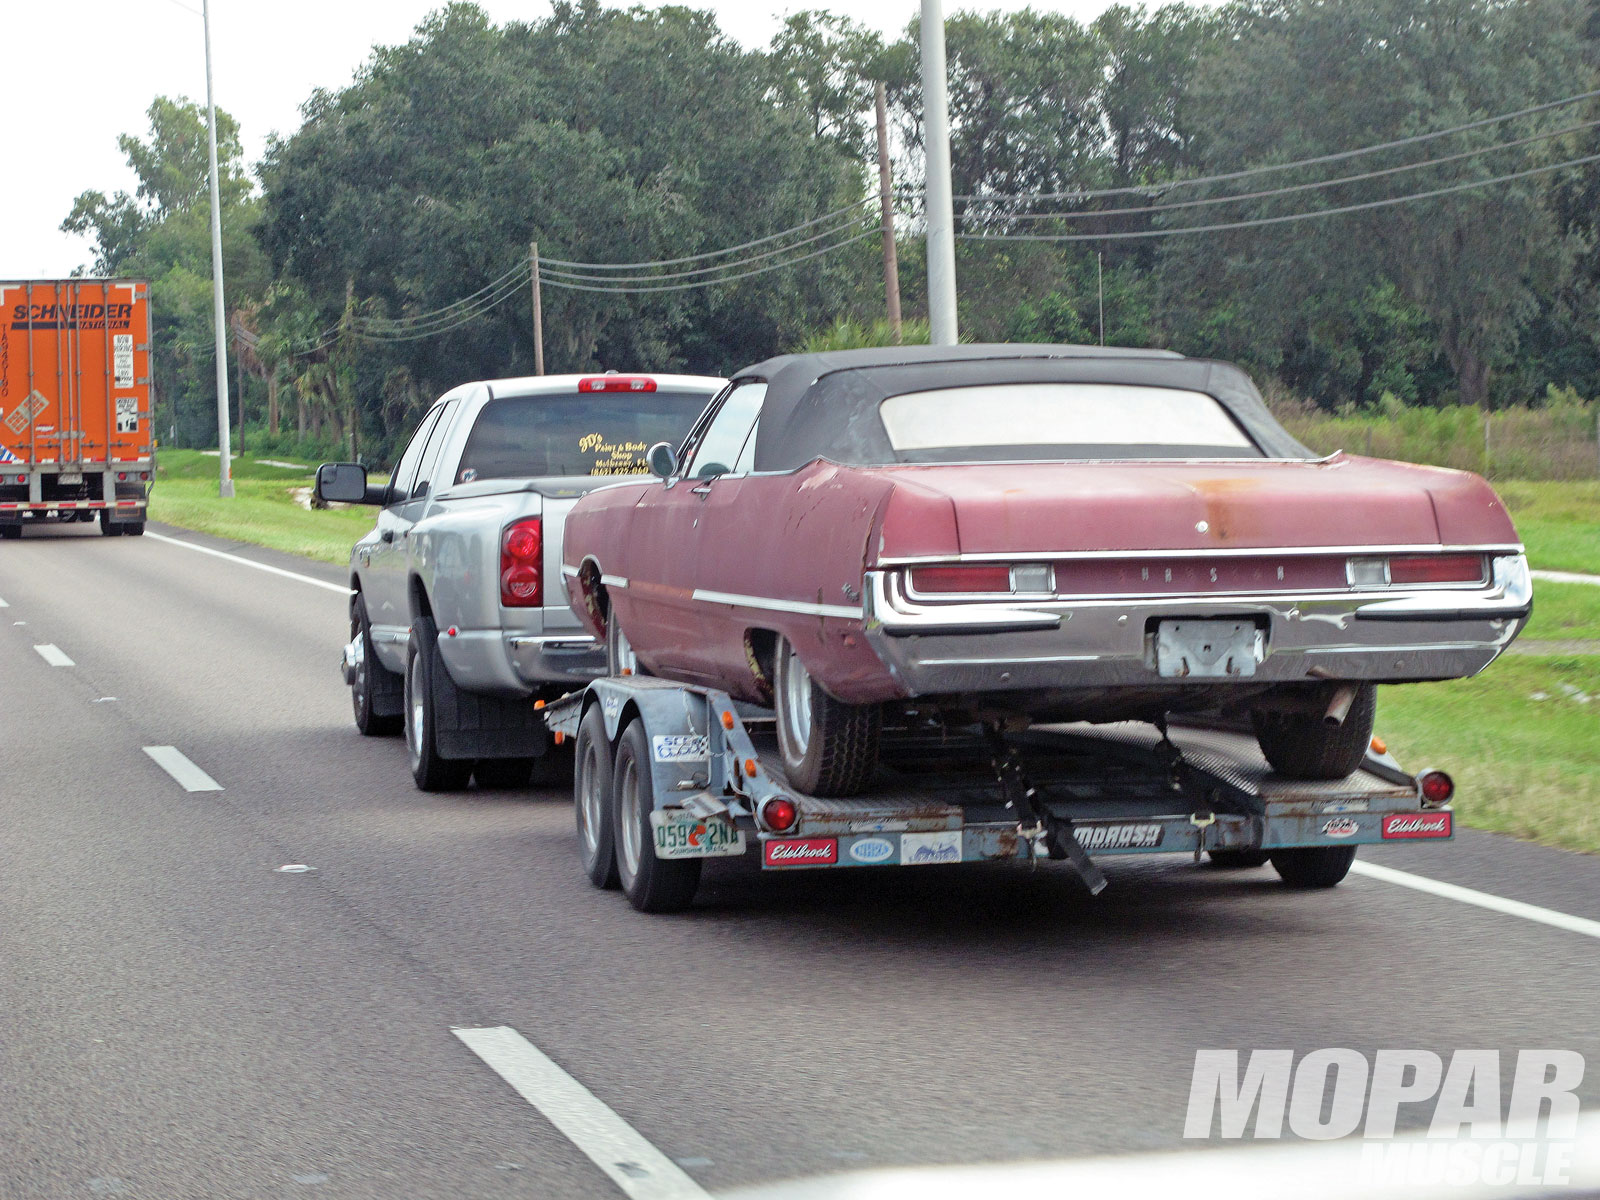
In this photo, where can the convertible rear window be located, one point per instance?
(592, 434)
(996, 422)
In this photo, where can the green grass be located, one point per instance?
(1520, 739)
(263, 511)
(1558, 522)
(1564, 611)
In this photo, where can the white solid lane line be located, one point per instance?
(1499, 904)
(1564, 577)
(175, 763)
(249, 562)
(3, 604)
(53, 656)
(616, 1147)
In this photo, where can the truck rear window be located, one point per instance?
(592, 434)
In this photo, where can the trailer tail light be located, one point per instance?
(779, 813)
(1435, 788)
(1436, 568)
(122, 477)
(521, 582)
(617, 383)
(989, 577)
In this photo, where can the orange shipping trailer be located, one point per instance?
(76, 432)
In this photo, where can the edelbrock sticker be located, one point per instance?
(680, 747)
(1417, 825)
(1341, 827)
(872, 850)
(924, 849)
(1119, 837)
(800, 852)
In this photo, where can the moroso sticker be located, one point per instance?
(1118, 837)
(924, 849)
(1341, 827)
(801, 852)
(680, 747)
(872, 850)
(1417, 825)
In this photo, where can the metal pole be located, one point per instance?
(238, 376)
(891, 264)
(944, 330)
(1100, 281)
(225, 470)
(538, 312)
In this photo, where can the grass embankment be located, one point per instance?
(1559, 522)
(264, 510)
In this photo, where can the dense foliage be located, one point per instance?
(634, 136)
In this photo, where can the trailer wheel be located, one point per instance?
(11, 533)
(108, 527)
(652, 884)
(591, 801)
(1236, 860)
(829, 748)
(1303, 746)
(371, 678)
(1313, 866)
(134, 529)
(432, 773)
(503, 773)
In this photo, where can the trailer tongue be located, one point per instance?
(688, 774)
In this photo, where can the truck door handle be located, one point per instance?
(387, 535)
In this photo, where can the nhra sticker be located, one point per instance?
(925, 849)
(872, 850)
(1341, 827)
(1119, 837)
(127, 414)
(680, 747)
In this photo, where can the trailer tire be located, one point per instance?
(134, 529)
(591, 801)
(432, 772)
(503, 774)
(108, 527)
(1238, 860)
(372, 678)
(11, 533)
(1303, 746)
(1313, 866)
(652, 884)
(829, 748)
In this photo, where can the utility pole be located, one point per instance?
(538, 312)
(891, 264)
(220, 321)
(944, 329)
(1100, 282)
(238, 375)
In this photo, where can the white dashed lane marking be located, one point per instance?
(175, 763)
(617, 1148)
(54, 656)
(1466, 895)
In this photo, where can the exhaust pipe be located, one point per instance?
(1339, 705)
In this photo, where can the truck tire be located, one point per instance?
(591, 801)
(373, 683)
(1237, 860)
(652, 884)
(108, 527)
(829, 748)
(134, 529)
(1302, 745)
(1313, 866)
(11, 533)
(503, 773)
(620, 658)
(423, 668)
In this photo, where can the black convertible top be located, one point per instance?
(826, 405)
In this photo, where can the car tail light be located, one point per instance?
(994, 577)
(779, 813)
(617, 383)
(1436, 568)
(1435, 787)
(521, 582)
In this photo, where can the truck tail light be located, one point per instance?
(521, 581)
(617, 383)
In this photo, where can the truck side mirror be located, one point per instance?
(663, 460)
(345, 483)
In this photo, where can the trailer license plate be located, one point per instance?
(1208, 649)
(681, 834)
(69, 477)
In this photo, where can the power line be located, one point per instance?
(1278, 220)
(678, 287)
(453, 306)
(1414, 139)
(1081, 214)
(512, 287)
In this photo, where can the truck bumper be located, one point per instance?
(497, 663)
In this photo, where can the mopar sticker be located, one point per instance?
(923, 849)
(1119, 837)
(872, 850)
(680, 747)
(1341, 827)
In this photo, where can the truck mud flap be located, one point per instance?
(467, 725)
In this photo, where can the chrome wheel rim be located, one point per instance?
(358, 686)
(414, 711)
(628, 818)
(795, 711)
(590, 800)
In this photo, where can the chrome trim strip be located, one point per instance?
(620, 581)
(770, 605)
(569, 641)
(887, 607)
(1019, 556)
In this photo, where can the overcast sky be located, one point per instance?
(80, 73)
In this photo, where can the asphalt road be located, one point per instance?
(180, 1019)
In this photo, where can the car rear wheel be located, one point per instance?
(423, 668)
(591, 801)
(1313, 866)
(620, 658)
(652, 884)
(829, 748)
(1302, 745)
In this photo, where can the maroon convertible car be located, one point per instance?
(1004, 534)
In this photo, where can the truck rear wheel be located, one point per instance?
(503, 773)
(134, 529)
(10, 532)
(1313, 866)
(1302, 745)
(591, 801)
(373, 686)
(423, 673)
(652, 884)
(829, 748)
(108, 527)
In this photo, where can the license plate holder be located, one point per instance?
(678, 833)
(1225, 649)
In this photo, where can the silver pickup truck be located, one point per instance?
(459, 622)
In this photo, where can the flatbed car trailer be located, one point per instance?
(667, 775)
